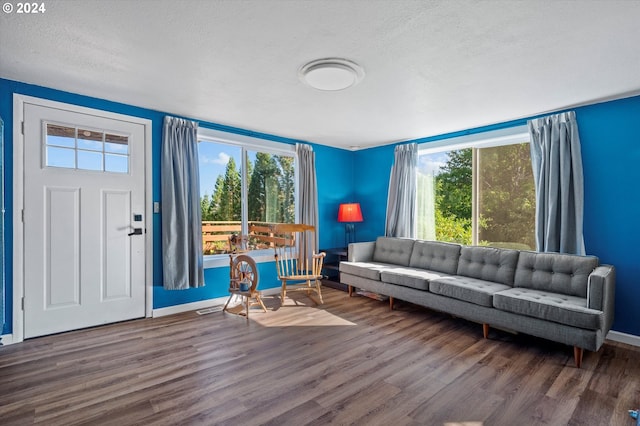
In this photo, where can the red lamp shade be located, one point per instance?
(350, 212)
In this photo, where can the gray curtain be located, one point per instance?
(557, 172)
(181, 215)
(403, 187)
(307, 187)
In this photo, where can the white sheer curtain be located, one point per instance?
(181, 216)
(401, 218)
(426, 201)
(307, 188)
(557, 172)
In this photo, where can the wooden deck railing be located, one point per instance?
(215, 236)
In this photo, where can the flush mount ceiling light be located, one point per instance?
(331, 74)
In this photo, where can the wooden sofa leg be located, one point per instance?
(485, 330)
(390, 303)
(577, 356)
(350, 291)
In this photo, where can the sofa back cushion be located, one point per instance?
(555, 272)
(488, 263)
(435, 256)
(393, 250)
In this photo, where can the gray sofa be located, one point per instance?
(559, 297)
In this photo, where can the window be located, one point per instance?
(85, 149)
(478, 190)
(246, 186)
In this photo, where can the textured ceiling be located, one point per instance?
(431, 67)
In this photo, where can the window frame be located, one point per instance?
(489, 139)
(45, 145)
(247, 143)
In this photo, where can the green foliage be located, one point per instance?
(452, 229)
(507, 196)
(229, 194)
(454, 185)
(265, 167)
(214, 207)
(249, 168)
(271, 191)
(286, 193)
(205, 207)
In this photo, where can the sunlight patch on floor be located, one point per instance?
(297, 311)
(298, 316)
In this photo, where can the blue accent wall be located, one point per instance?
(334, 173)
(334, 170)
(610, 135)
(610, 138)
(371, 186)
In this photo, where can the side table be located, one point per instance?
(331, 267)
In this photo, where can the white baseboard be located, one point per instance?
(7, 339)
(202, 304)
(629, 339)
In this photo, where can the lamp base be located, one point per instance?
(349, 234)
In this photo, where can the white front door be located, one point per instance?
(84, 181)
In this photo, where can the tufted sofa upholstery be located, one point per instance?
(560, 297)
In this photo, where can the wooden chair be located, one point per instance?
(298, 265)
(243, 283)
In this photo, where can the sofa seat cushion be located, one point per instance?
(370, 270)
(472, 290)
(556, 307)
(410, 277)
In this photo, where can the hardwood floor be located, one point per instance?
(351, 361)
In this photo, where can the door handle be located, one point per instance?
(136, 231)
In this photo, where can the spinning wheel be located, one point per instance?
(244, 270)
(243, 282)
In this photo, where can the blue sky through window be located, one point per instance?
(213, 159)
(430, 164)
(61, 151)
(213, 162)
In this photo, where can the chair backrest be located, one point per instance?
(297, 256)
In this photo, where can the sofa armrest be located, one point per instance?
(601, 292)
(361, 252)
